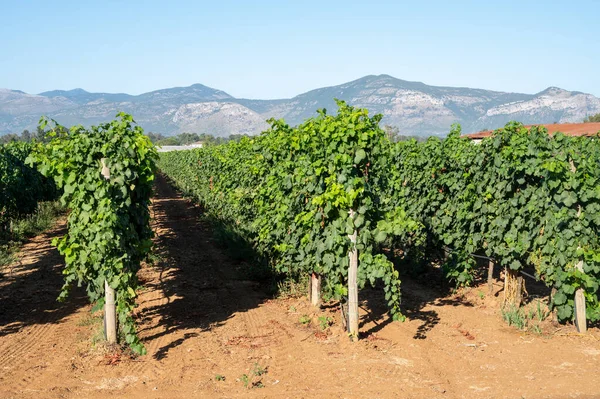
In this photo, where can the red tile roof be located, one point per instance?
(570, 129)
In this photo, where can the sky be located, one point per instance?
(279, 49)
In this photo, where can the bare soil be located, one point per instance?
(211, 332)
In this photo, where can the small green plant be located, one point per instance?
(254, 380)
(325, 322)
(514, 316)
(292, 309)
(259, 370)
(220, 377)
(304, 319)
(481, 295)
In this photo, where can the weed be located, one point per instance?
(325, 322)
(531, 313)
(536, 329)
(304, 319)
(542, 314)
(292, 309)
(514, 316)
(259, 370)
(481, 295)
(220, 377)
(292, 287)
(254, 380)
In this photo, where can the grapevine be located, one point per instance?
(108, 223)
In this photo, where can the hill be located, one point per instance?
(416, 108)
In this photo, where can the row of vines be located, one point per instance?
(522, 197)
(22, 187)
(307, 197)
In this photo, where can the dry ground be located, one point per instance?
(201, 320)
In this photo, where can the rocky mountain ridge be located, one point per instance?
(416, 108)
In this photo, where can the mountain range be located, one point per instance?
(414, 107)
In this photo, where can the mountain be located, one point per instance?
(416, 108)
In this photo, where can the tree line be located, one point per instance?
(592, 118)
(39, 134)
(190, 138)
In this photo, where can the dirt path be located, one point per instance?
(200, 320)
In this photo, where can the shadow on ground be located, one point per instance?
(202, 284)
(29, 287)
(425, 291)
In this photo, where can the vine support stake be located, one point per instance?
(579, 302)
(490, 277)
(580, 319)
(353, 284)
(110, 312)
(314, 289)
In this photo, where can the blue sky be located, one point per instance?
(277, 49)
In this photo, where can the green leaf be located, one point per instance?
(359, 156)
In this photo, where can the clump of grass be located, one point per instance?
(529, 319)
(514, 316)
(542, 314)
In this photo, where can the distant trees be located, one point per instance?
(26, 135)
(393, 134)
(592, 118)
(191, 138)
(155, 137)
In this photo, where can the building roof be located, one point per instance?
(570, 129)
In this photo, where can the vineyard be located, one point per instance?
(308, 197)
(330, 208)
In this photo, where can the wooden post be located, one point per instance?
(110, 312)
(353, 285)
(490, 276)
(314, 289)
(580, 318)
